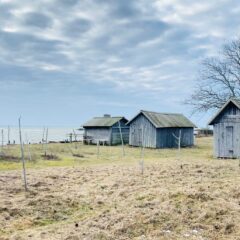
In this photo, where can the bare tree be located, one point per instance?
(219, 79)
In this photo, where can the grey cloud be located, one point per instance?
(77, 27)
(5, 12)
(39, 20)
(123, 27)
(31, 49)
(121, 9)
(124, 36)
(124, 9)
(17, 41)
(151, 28)
(69, 3)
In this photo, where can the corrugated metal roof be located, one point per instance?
(235, 101)
(166, 120)
(102, 121)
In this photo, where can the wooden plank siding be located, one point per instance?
(149, 132)
(226, 130)
(157, 137)
(98, 133)
(111, 135)
(165, 138)
(227, 137)
(116, 137)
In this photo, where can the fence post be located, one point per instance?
(22, 153)
(28, 147)
(142, 153)
(8, 141)
(43, 137)
(178, 139)
(97, 148)
(75, 139)
(120, 131)
(2, 133)
(46, 142)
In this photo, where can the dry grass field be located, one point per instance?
(81, 196)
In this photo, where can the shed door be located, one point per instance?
(229, 140)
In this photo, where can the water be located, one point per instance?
(35, 134)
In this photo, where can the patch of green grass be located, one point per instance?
(44, 222)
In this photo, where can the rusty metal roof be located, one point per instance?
(166, 120)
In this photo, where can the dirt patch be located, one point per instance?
(78, 155)
(11, 158)
(50, 157)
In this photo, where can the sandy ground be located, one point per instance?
(171, 200)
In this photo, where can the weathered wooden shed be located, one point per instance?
(226, 130)
(106, 129)
(157, 130)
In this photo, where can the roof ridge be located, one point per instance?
(164, 113)
(110, 117)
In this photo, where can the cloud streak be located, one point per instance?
(137, 46)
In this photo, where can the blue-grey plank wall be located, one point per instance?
(98, 133)
(226, 129)
(166, 139)
(139, 124)
(116, 137)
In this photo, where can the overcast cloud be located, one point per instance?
(106, 55)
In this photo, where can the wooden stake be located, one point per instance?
(120, 131)
(142, 153)
(46, 141)
(22, 153)
(2, 133)
(178, 142)
(28, 147)
(43, 137)
(8, 141)
(98, 149)
(75, 138)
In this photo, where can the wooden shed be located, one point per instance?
(106, 129)
(157, 130)
(226, 130)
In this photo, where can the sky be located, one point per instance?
(65, 61)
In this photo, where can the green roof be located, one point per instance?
(103, 121)
(166, 120)
(235, 101)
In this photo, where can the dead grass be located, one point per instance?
(84, 155)
(190, 198)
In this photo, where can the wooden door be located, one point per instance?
(229, 140)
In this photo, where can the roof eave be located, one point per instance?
(194, 126)
(121, 118)
(97, 126)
